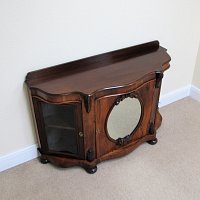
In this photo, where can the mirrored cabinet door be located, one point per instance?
(61, 128)
(118, 120)
(124, 118)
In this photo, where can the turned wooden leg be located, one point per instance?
(91, 170)
(43, 160)
(42, 157)
(153, 142)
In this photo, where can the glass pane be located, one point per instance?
(60, 127)
(124, 118)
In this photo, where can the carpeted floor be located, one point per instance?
(168, 170)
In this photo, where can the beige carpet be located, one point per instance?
(167, 171)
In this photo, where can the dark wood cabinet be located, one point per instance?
(98, 108)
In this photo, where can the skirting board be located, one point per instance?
(174, 96)
(29, 153)
(195, 93)
(18, 157)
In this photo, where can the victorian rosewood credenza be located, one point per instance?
(98, 108)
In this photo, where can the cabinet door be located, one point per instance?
(123, 118)
(60, 128)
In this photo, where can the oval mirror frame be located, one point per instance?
(120, 137)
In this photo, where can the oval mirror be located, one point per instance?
(124, 118)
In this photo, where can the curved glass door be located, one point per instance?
(62, 126)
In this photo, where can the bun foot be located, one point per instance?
(91, 170)
(43, 160)
(153, 142)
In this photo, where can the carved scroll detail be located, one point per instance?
(88, 102)
(151, 128)
(124, 96)
(90, 155)
(159, 76)
(123, 141)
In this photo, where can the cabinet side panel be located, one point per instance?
(33, 116)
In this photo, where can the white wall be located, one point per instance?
(196, 76)
(41, 33)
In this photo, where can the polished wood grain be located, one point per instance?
(95, 84)
(103, 106)
(113, 69)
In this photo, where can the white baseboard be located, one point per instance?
(29, 153)
(18, 157)
(195, 93)
(174, 96)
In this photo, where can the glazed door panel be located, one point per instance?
(61, 128)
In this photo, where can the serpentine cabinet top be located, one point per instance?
(101, 72)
